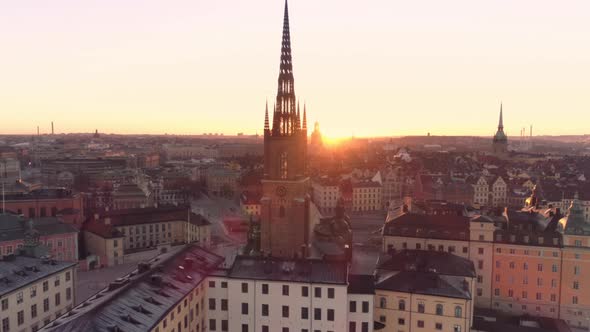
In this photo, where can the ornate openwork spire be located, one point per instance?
(285, 112)
(266, 122)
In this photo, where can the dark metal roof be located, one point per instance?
(138, 301)
(13, 227)
(19, 271)
(292, 270)
(439, 262)
(426, 283)
(361, 284)
(449, 227)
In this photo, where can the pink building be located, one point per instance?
(61, 239)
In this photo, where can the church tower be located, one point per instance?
(285, 223)
(500, 141)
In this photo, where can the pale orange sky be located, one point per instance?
(379, 67)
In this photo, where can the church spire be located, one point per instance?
(266, 122)
(286, 108)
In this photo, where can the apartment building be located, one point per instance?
(115, 233)
(428, 291)
(165, 294)
(274, 294)
(34, 291)
(326, 193)
(526, 262)
(60, 239)
(366, 196)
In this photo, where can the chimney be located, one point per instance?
(51, 127)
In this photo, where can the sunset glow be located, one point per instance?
(402, 68)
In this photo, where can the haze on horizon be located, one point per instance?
(389, 69)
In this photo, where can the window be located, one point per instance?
(331, 315)
(264, 288)
(20, 318)
(524, 294)
(382, 319)
(244, 287)
(304, 313)
(365, 327)
(480, 264)
(330, 293)
(421, 307)
(420, 323)
(317, 314)
(68, 276)
(457, 328)
(45, 286)
(224, 304)
(283, 163)
(382, 302)
(439, 309)
(224, 325)
(401, 305)
(68, 294)
(285, 329)
(265, 310)
(576, 285)
(244, 327)
(286, 290)
(458, 312)
(211, 304)
(304, 291)
(211, 284)
(244, 308)
(576, 270)
(285, 311)
(554, 268)
(438, 326)
(352, 306)
(401, 321)
(574, 300)
(57, 299)
(224, 284)
(212, 325)
(317, 292)
(5, 324)
(19, 297)
(540, 267)
(497, 292)
(351, 326)
(46, 305)
(365, 306)
(525, 266)
(480, 251)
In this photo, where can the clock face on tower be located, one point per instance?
(281, 191)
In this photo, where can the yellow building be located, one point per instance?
(34, 291)
(116, 233)
(424, 291)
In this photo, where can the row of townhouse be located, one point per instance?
(527, 262)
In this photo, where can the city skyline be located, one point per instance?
(194, 68)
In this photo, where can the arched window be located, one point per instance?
(282, 211)
(283, 163)
(382, 302)
(458, 311)
(421, 308)
(439, 309)
(401, 305)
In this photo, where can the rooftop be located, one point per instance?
(19, 271)
(427, 283)
(138, 301)
(13, 227)
(440, 262)
(291, 270)
(448, 226)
